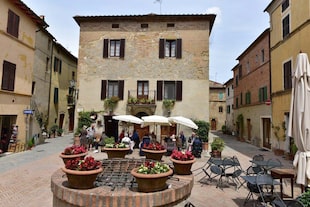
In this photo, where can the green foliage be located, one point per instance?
(53, 129)
(218, 144)
(84, 120)
(224, 128)
(30, 142)
(60, 131)
(110, 103)
(203, 130)
(305, 198)
(109, 141)
(168, 103)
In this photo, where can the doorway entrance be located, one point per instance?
(266, 132)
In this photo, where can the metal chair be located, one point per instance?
(265, 184)
(218, 171)
(278, 202)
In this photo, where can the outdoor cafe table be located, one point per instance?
(266, 164)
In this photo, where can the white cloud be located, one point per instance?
(218, 12)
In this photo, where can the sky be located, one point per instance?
(238, 23)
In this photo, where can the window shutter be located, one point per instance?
(105, 48)
(161, 48)
(179, 49)
(159, 90)
(59, 66)
(55, 95)
(103, 89)
(121, 89)
(265, 93)
(260, 95)
(179, 91)
(55, 64)
(122, 49)
(12, 69)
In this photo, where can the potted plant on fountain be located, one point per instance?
(152, 176)
(116, 150)
(154, 150)
(82, 173)
(217, 147)
(182, 162)
(72, 152)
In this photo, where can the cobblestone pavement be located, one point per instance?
(25, 176)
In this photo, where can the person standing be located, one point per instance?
(183, 139)
(135, 137)
(83, 137)
(90, 135)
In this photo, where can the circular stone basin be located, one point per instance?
(179, 188)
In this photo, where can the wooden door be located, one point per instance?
(213, 124)
(249, 127)
(266, 133)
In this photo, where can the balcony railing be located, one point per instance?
(70, 100)
(148, 97)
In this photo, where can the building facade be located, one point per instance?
(217, 101)
(17, 39)
(289, 35)
(144, 60)
(252, 111)
(230, 121)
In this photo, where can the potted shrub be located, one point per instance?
(203, 133)
(53, 130)
(73, 152)
(82, 173)
(115, 150)
(154, 150)
(110, 103)
(152, 176)
(304, 198)
(59, 131)
(217, 147)
(182, 162)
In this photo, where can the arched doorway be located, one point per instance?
(213, 124)
(141, 131)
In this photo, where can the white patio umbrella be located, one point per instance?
(183, 121)
(154, 119)
(128, 119)
(299, 119)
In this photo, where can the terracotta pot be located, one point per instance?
(216, 154)
(154, 154)
(205, 146)
(81, 179)
(71, 157)
(151, 182)
(116, 152)
(182, 167)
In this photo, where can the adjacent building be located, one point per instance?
(230, 121)
(217, 101)
(252, 109)
(144, 61)
(17, 39)
(289, 35)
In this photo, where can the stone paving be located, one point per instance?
(25, 176)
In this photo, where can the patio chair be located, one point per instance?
(219, 172)
(278, 202)
(273, 163)
(265, 185)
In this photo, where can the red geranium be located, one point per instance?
(153, 146)
(74, 150)
(179, 155)
(89, 163)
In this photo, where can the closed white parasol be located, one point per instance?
(183, 121)
(299, 119)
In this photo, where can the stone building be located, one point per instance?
(145, 61)
(217, 101)
(252, 111)
(17, 39)
(230, 121)
(289, 35)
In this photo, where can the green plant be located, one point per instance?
(168, 103)
(279, 132)
(224, 129)
(54, 128)
(218, 144)
(110, 103)
(84, 120)
(60, 131)
(109, 141)
(304, 198)
(30, 142)
(152, 167)
(203, 130)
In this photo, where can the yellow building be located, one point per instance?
(217, 101)
(289, 35)
(18, 25)
(144, 60)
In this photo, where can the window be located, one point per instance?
(114, 48)
(228, 109)
(221, 95)
(240, 71)
(286, 26)
(220, 109)
(262, 93)
(115, 25)
(57, 65)
(170, 24)
(263, 55)
(143, 89)
(237, 80)
(228, 91)
(169, 90)
(13, 24)
(248, 98)
(47, 61)
(285, 5)
(237, 104)
(144, 25)
(170, 48)
(55, 95)
(111, 88)
(8, 76)
(287, 75)
(33, 87)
